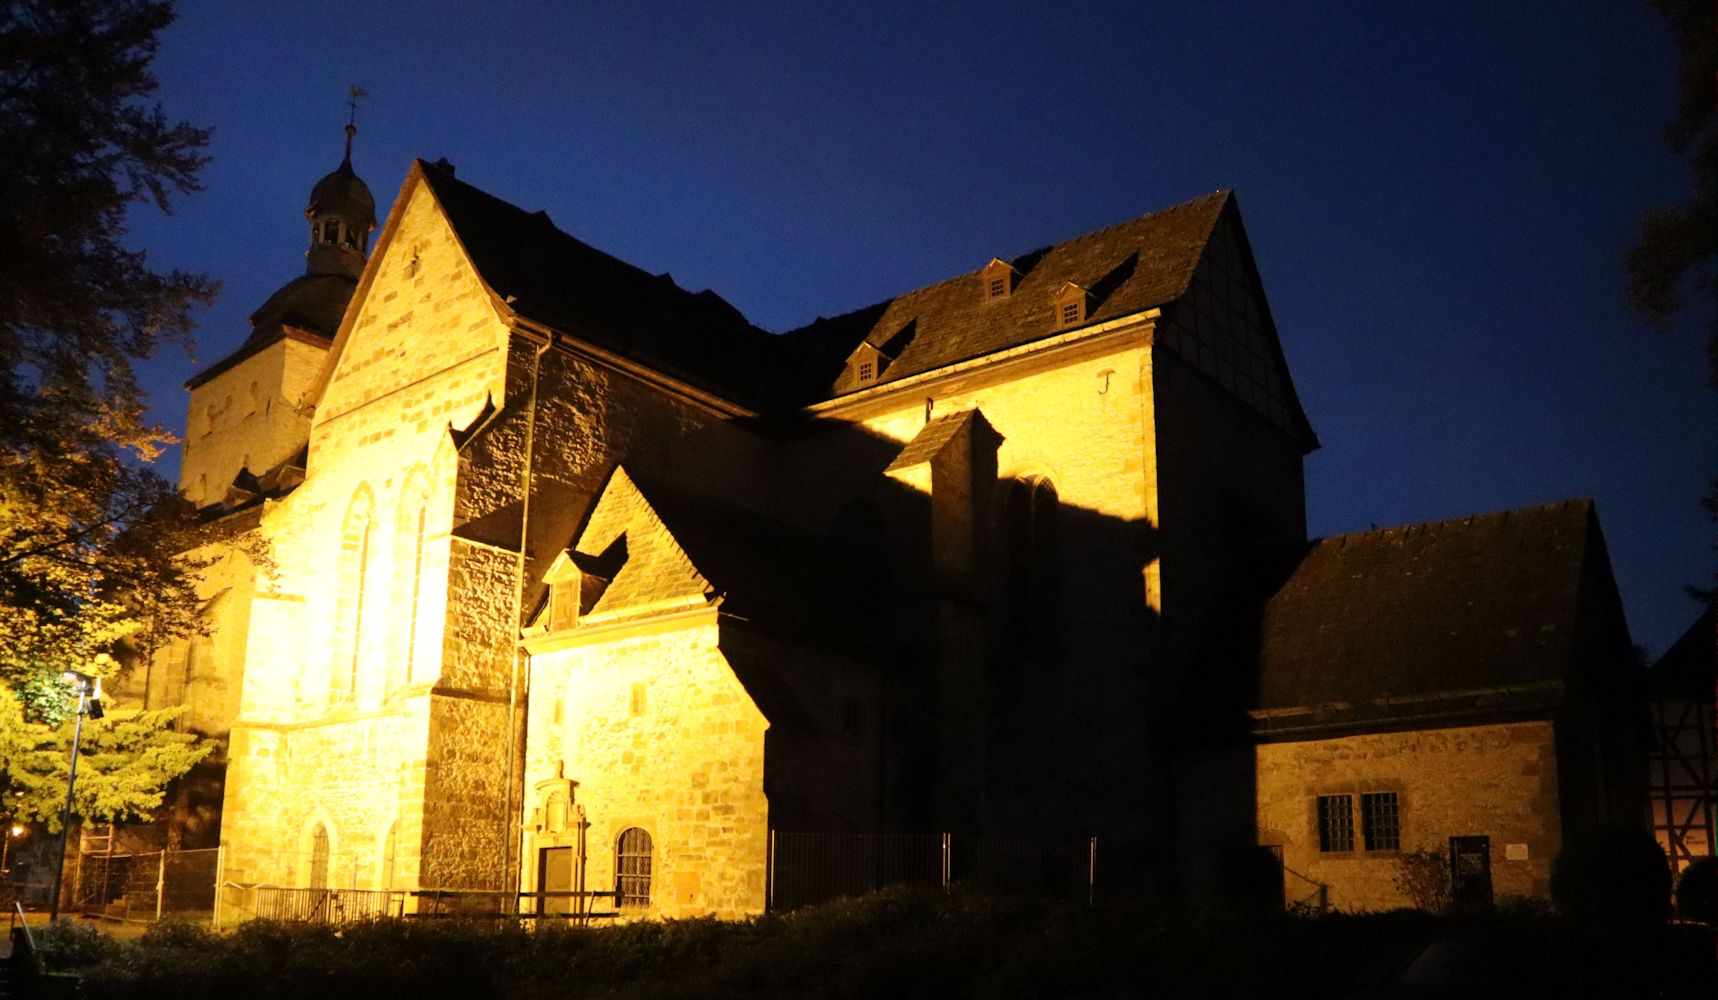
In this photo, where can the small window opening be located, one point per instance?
(998, 287)
(632, 868)
(319, 857)
(1070, 313)
(1381, 821)
(867, 371)
(638, 704)
(1335, 823)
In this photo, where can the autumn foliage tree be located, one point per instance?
(91, 537)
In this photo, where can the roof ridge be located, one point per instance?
(1584, 502)
(1221, 194)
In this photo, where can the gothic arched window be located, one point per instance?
(355, 534)
(410, 533)
(632, 857)
(388, 855)
(319, 857)
(1031, 509)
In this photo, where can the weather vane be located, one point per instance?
(354, 94)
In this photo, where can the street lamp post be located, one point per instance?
(89, 703)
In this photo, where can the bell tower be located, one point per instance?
(342, 212)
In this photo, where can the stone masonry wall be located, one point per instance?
(658, 734)
(1083, 419)
(1499, 781)
(425, 349)
(247, 417)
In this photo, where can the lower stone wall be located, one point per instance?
(466, 816)
(1498, 781)
(651, 732)
(351, 775)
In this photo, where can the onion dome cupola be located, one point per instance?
(342, 213)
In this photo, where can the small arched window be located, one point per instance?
(1030, 552)
(319, 857)
(632, 868)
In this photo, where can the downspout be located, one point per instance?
(509, 863)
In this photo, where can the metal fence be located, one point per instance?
(327, 906)
(807, 868)
(145, 887)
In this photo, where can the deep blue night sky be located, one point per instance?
(1438, 195)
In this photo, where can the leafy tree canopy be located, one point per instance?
(88, 532)
(1678, 247)
(125, 762)
(92, 540)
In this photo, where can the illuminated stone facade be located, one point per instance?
(582, 580)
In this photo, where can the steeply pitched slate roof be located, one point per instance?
(1127, 268)
(560, 282)
(765, 569)
(931, 440)
(1482, 603)
(655, 569)
(1689, 668)
(679, 547)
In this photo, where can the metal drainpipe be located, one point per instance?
(509, 866)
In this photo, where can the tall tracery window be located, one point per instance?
(410, 533)
(1031, 562)
(389, 847)
(355, 535)
(632, 868)
(319, 857)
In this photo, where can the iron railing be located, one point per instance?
(808, 868)
(327, 906)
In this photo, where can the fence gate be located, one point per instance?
(144, 887)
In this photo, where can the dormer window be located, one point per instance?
(564, 596)
(1069, 306)
(865, 365)
(999, 279)
(577, 582)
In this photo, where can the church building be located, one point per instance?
(581, 579)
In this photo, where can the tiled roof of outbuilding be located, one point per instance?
(1689, 668)
(1474, 604)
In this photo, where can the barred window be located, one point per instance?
(1335, 823)
(1381, 821)
(632, 868)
